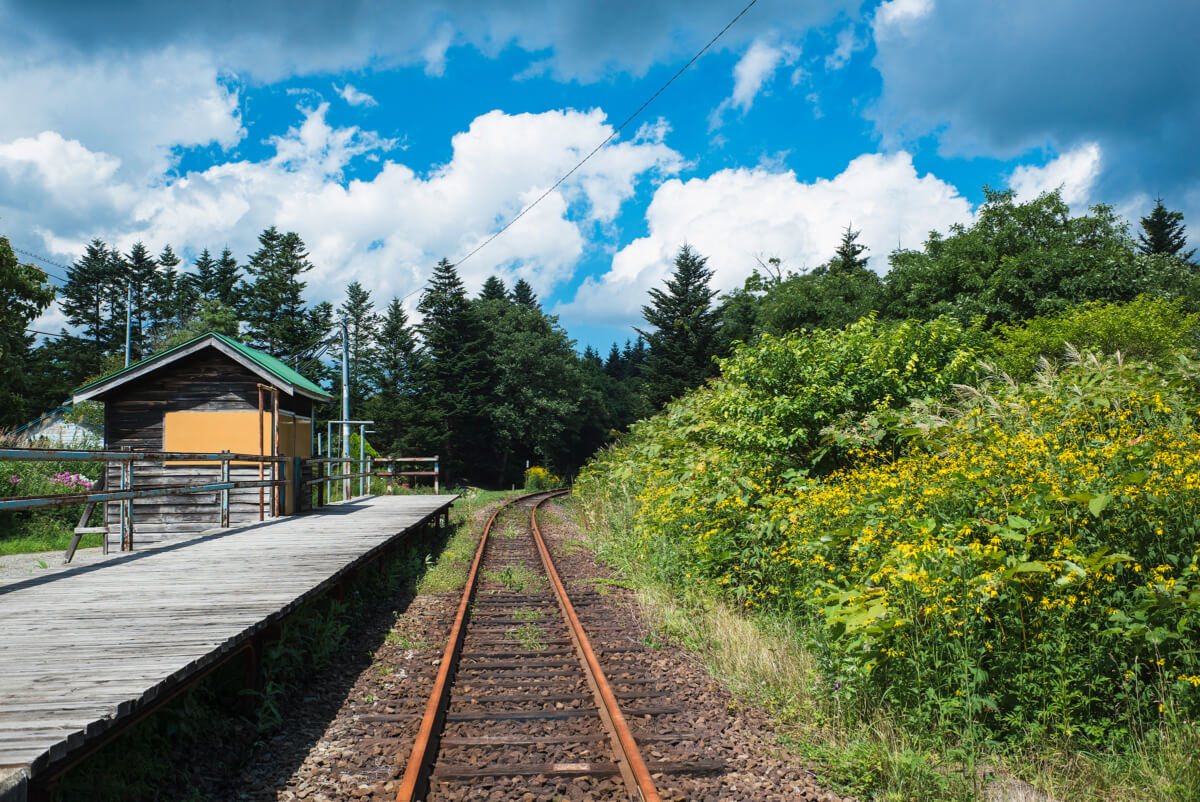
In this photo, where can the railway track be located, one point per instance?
(532, 691)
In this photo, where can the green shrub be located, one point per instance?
(1025, 562)
(1146, 329)
(778, 393)
(538, 478)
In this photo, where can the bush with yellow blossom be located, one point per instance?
(1017, 558)
(538, 478)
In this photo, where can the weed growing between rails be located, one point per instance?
(1013, 576)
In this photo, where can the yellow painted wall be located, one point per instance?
(237, 431)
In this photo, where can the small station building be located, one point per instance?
(209, 394)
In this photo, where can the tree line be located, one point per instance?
(487, 383)
(1015, 261)
(492, 381)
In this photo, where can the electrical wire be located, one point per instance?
(44, 260)
(598, 148)
(315, 359)
(51, 334)
(320, 339)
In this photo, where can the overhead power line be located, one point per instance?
(50, 334)
(608, 139)
(44, 261)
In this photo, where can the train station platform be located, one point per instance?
(85, 650)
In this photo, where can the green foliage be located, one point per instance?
(778, 393)
(523, 294)
(272, 297)
(396, 373)
(24, 293)
(532, 394)
(89, 412)
(1163, 232)
(455, 371)
(493, 290)
(1146, 329)
(1016, 260)
(362, 327)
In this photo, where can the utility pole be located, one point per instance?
(128, 316)
(345, 406)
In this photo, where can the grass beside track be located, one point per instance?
(762, 660)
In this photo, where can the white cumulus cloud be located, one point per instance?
(386, 231)
(1075, 171)
(848, 43)
(135, 107)
(737, 215)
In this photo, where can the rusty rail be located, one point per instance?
(420, 760)
(629, 759)
(632, 768)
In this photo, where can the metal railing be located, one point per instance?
(126, 493)
(323, 470)
(362, 469)
(392, 473)
(324, 473)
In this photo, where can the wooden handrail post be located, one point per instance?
(260, 451)
(275, 500)
(126, 504)
(297, 485)
(225, 492)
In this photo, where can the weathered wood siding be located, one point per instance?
(207, 381)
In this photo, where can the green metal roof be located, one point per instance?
(268, 363)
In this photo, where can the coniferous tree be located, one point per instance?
(362, 326)
(225, 279)
(849, 255)
(531, 393)
(88, 294)
(456, 369)
(684, 336)
(319, 322)
(168, 298)
(395, 407)
(1163, 232)
(493, 290)
(523, 294)
(140, 268)
(615, 365)
(203, 280)
(272, 301)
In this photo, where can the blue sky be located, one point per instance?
(389, 137)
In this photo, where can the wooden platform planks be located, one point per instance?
(83, 649)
